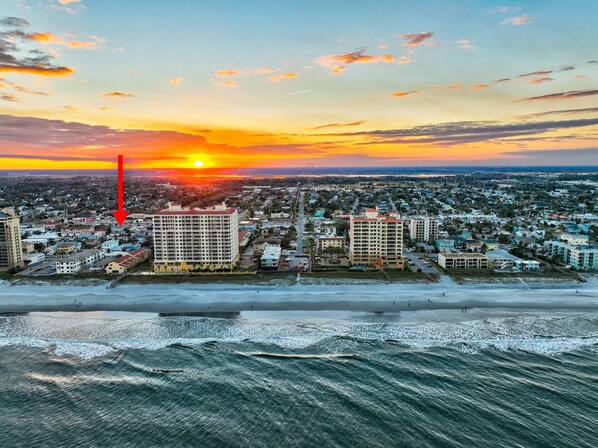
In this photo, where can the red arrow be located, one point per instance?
(120, 214)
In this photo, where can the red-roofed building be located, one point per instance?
(244, 237)
(127, 261)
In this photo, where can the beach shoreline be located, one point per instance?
(375, 297)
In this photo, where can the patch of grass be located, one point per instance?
(459, 274)
(393, 275)
(203, 278)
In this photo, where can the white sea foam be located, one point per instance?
(96, 338)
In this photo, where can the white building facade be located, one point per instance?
(581, 258)
(270, 259)
(187, 239)
(463, 260)
(74, 263)
(423, 229)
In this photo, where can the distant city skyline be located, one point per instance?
(297, 84)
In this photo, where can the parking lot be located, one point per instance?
(419, 260)
(290, 262)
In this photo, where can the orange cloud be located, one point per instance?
(119, 95)
(480, 86)
(276, 78)
(176, 81)
(50, 38)
(226, 84)
(401, 94)
(339, 125)
(541, 80)
(229, 72)
(36, 70)
(338, 62)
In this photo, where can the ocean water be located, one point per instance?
(429, 378)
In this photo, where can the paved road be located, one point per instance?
(300, 219)
(393, 206)
(355, 205)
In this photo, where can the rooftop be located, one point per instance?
(463, 255)
(176, 209)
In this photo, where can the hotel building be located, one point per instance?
(376, 239)
(187, 239)
(11, 252)
(423, 229)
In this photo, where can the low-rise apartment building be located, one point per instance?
(581, 258)
(76, 230)
(574, 239)
(444, 245)
(504, 261)
(323, 243)
(126, 262)
(34, 257)
(463, 260)
(270, 258)
(74, 263)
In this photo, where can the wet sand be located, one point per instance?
(236, 298)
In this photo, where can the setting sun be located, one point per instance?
(198, 164)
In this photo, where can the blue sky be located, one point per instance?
(290, 83)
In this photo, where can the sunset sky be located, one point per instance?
(292, 83)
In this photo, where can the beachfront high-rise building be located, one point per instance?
(11, 252)
(187, 239)
(423, 229)
(376, 239)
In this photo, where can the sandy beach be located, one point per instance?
(193, 298)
